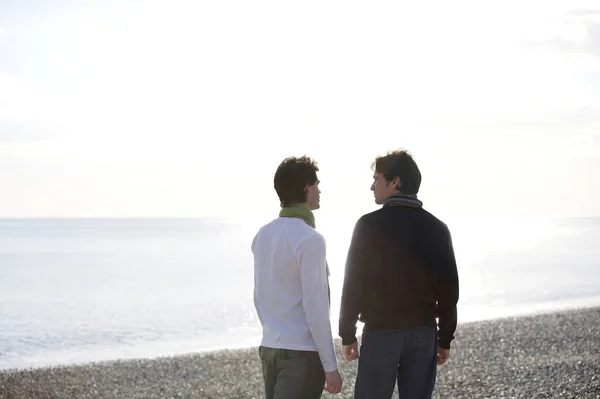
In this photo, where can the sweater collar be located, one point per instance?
(403, 200)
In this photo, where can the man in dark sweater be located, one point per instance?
(400, 277)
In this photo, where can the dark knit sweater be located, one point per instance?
(400, 273)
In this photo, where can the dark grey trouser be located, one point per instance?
(291, 374)
(406, 357)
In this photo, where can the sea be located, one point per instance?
(84, 290)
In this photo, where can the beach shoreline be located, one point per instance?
(537, 356)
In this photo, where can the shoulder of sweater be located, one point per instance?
(373, 216)
(369, 217)
(436, 220)
(299, 226)
(312, 240)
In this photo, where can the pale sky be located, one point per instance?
(185, 108)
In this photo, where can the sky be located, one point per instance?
(186, 108)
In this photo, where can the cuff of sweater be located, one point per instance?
(348, 340)
(444, 343)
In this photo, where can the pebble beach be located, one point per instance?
(552, 355)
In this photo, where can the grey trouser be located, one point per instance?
(291, 374)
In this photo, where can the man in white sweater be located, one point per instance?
(291, 291)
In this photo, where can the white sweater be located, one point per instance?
(290, 288)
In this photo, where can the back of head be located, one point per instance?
(401, 164)
(292, 177)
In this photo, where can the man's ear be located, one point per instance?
(396, 183)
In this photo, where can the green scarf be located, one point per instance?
(302, 211)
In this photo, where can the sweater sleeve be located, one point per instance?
(315, 300)
(447, 295)
(353, 284)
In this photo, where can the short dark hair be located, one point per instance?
(401, 164)
(292, 177)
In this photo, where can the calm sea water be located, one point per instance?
(78, 290)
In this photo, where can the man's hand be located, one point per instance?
(443, 355)
(333, 382)
(350, 352)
